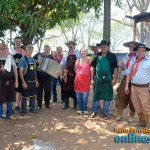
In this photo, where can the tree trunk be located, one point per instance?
(107, 18)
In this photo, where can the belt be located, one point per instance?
(141, 85)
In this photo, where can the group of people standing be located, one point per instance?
(78, 72)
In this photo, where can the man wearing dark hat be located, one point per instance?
(139, 74)
(95, 49)
(122, 98)
(106, 69)
(68, 73)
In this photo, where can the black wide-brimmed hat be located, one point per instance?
(127, 44)
(103, 42)
(70, 42)
(141, 45)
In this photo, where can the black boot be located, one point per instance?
(75, 103)
(66, 103)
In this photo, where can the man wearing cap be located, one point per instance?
(95, 49)
(44, 79)
(139, 74)
(106, 69)
(68, 73)
(27, 70)
(122, 98)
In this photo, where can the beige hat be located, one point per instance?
(127, 44)
(70, 42)
(93, 45)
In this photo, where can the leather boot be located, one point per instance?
(75, 103)
(119, 115)
(131, 118)
(142, 121)
(148, 121)
(66, 103)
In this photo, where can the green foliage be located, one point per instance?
(34, 17)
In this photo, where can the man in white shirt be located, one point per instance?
(123, 100)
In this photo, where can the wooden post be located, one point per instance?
(107, 20)
(134, 31)
(10, 35)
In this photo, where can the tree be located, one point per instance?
(34, 17)
(119, 34)
(143, 29)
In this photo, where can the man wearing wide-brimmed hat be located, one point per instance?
(139, 74)
(122, 98)
(95, 49)
(68, 73)
(106, 69)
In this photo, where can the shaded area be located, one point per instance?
(65, 130)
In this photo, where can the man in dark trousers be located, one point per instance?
(44, 79)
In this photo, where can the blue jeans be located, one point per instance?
(54, 91)
(82, 99)
(24, 104)
(95, 106)
(9, 110)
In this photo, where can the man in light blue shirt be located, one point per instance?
(72, 50)
(68, 74)
(139, 74)
(123, 100)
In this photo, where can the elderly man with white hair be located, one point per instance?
(44, 79)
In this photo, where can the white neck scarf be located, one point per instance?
(8, 63)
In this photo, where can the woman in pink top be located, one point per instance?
(82, 81)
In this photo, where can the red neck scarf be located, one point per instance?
(71, 53)
(132, 74)
(128, 61)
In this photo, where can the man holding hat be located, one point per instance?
(122, 98)
(139, 74)
(68, 73)
(95, 49)
(106, 69)
(27, 70)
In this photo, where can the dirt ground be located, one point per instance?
(58, 129)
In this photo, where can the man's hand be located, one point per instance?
(113, 82)
(24, 85)
(127, 90)
(119, 64)
(92, 82)
(38, 61)
(37, 83)
(16, 84)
